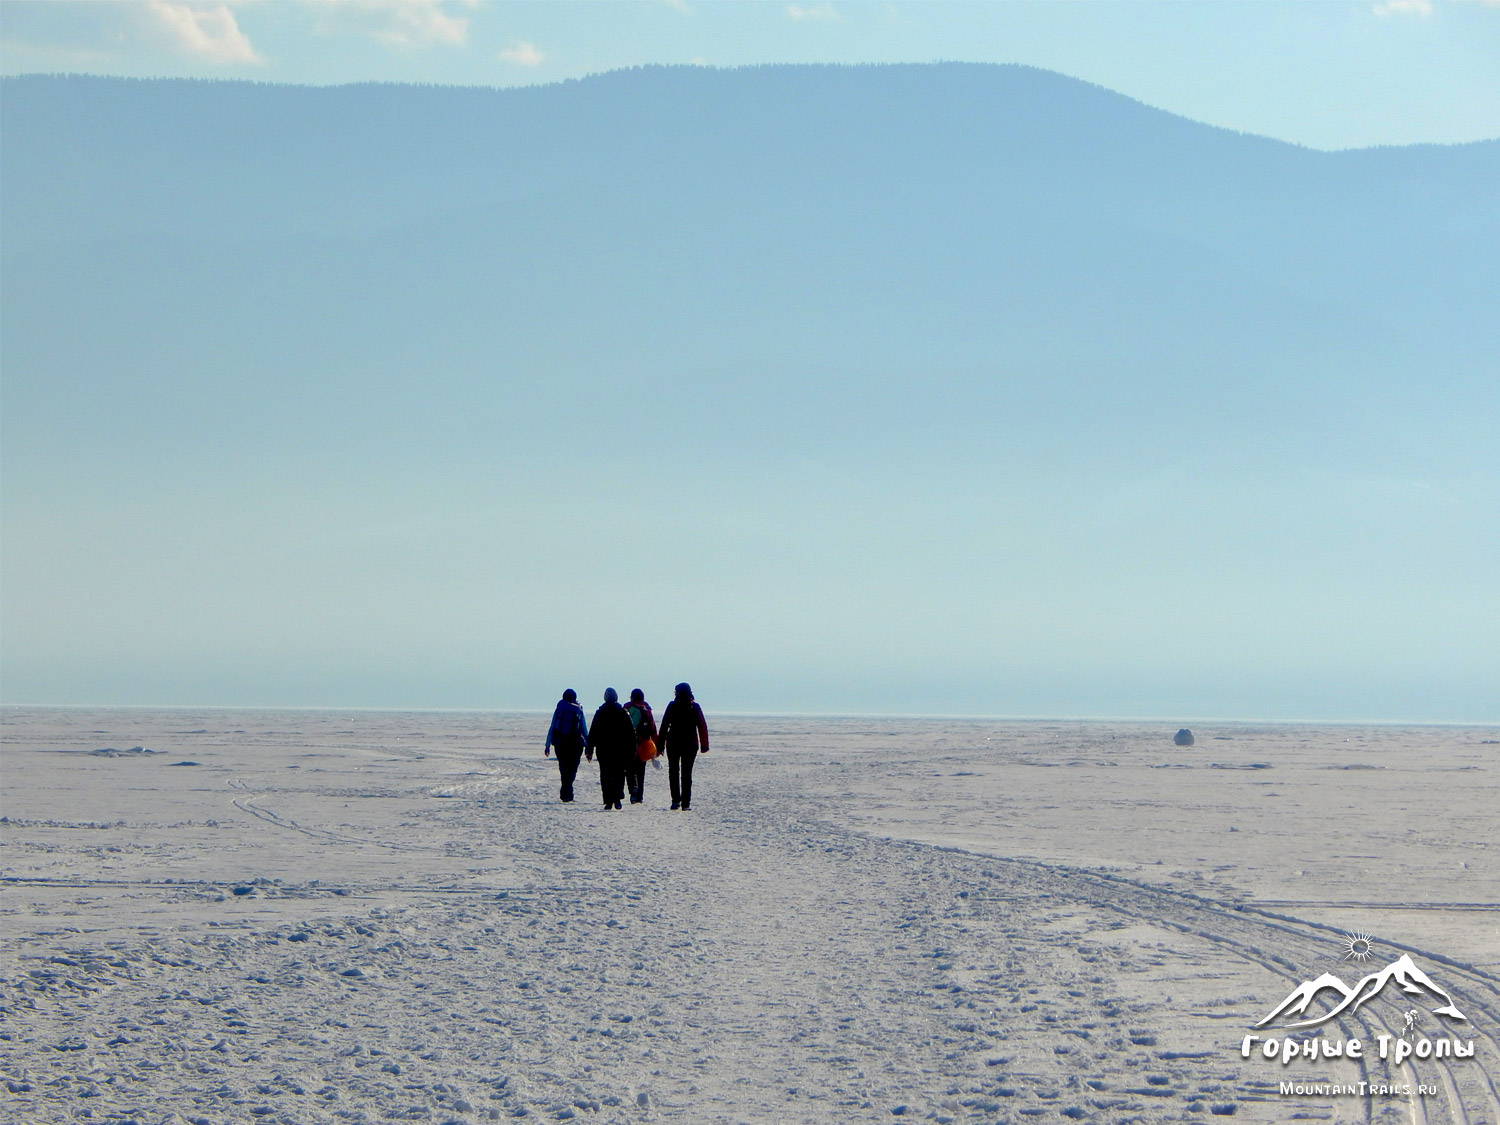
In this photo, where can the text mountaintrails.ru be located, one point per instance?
(1355, 1089)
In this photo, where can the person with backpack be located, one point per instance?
(566, 735)
(611, 740)
(645, 745)
(683, 733)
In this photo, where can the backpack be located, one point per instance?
(645, 745)
(567, 723)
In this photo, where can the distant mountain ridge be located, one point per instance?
(981, 375)
(1403, 971)
(794, 240)
(861, 215)
(92, 158)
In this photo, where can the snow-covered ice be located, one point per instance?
(333, 917)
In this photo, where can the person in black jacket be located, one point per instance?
(611, 738)
(566, 735)
(683, 733)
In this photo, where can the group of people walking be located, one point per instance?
(623, 739)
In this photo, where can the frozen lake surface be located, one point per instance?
(312, 916)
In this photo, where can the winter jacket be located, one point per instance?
(580, 728)
(610, 733)
(683, 729)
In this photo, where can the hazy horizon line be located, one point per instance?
(739, 714)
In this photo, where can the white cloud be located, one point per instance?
(209, 31)
(523, 54)
(687, 9)
(399, 23)
(1404, 8)
(801, 12)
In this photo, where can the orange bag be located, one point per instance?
(646, 749)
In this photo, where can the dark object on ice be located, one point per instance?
(1184, 737)
(184, 764)
(244, 890)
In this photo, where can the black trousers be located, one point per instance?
(567, 766)
(611, 776)
(635, 778)
(680, 774)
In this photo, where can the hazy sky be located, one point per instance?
(1327, 74)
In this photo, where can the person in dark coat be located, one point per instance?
(611, 739)
(683, 734)
(645, 727)
(566, 735)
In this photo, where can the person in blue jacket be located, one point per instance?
(567, 734)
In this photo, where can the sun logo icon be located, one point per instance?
(1358, 947)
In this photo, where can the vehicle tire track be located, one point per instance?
(248, 805)
(1243, 932)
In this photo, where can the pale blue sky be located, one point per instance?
(1326, 74)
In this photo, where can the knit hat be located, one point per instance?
(611, 696)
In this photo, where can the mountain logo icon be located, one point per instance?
(1403, 971)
